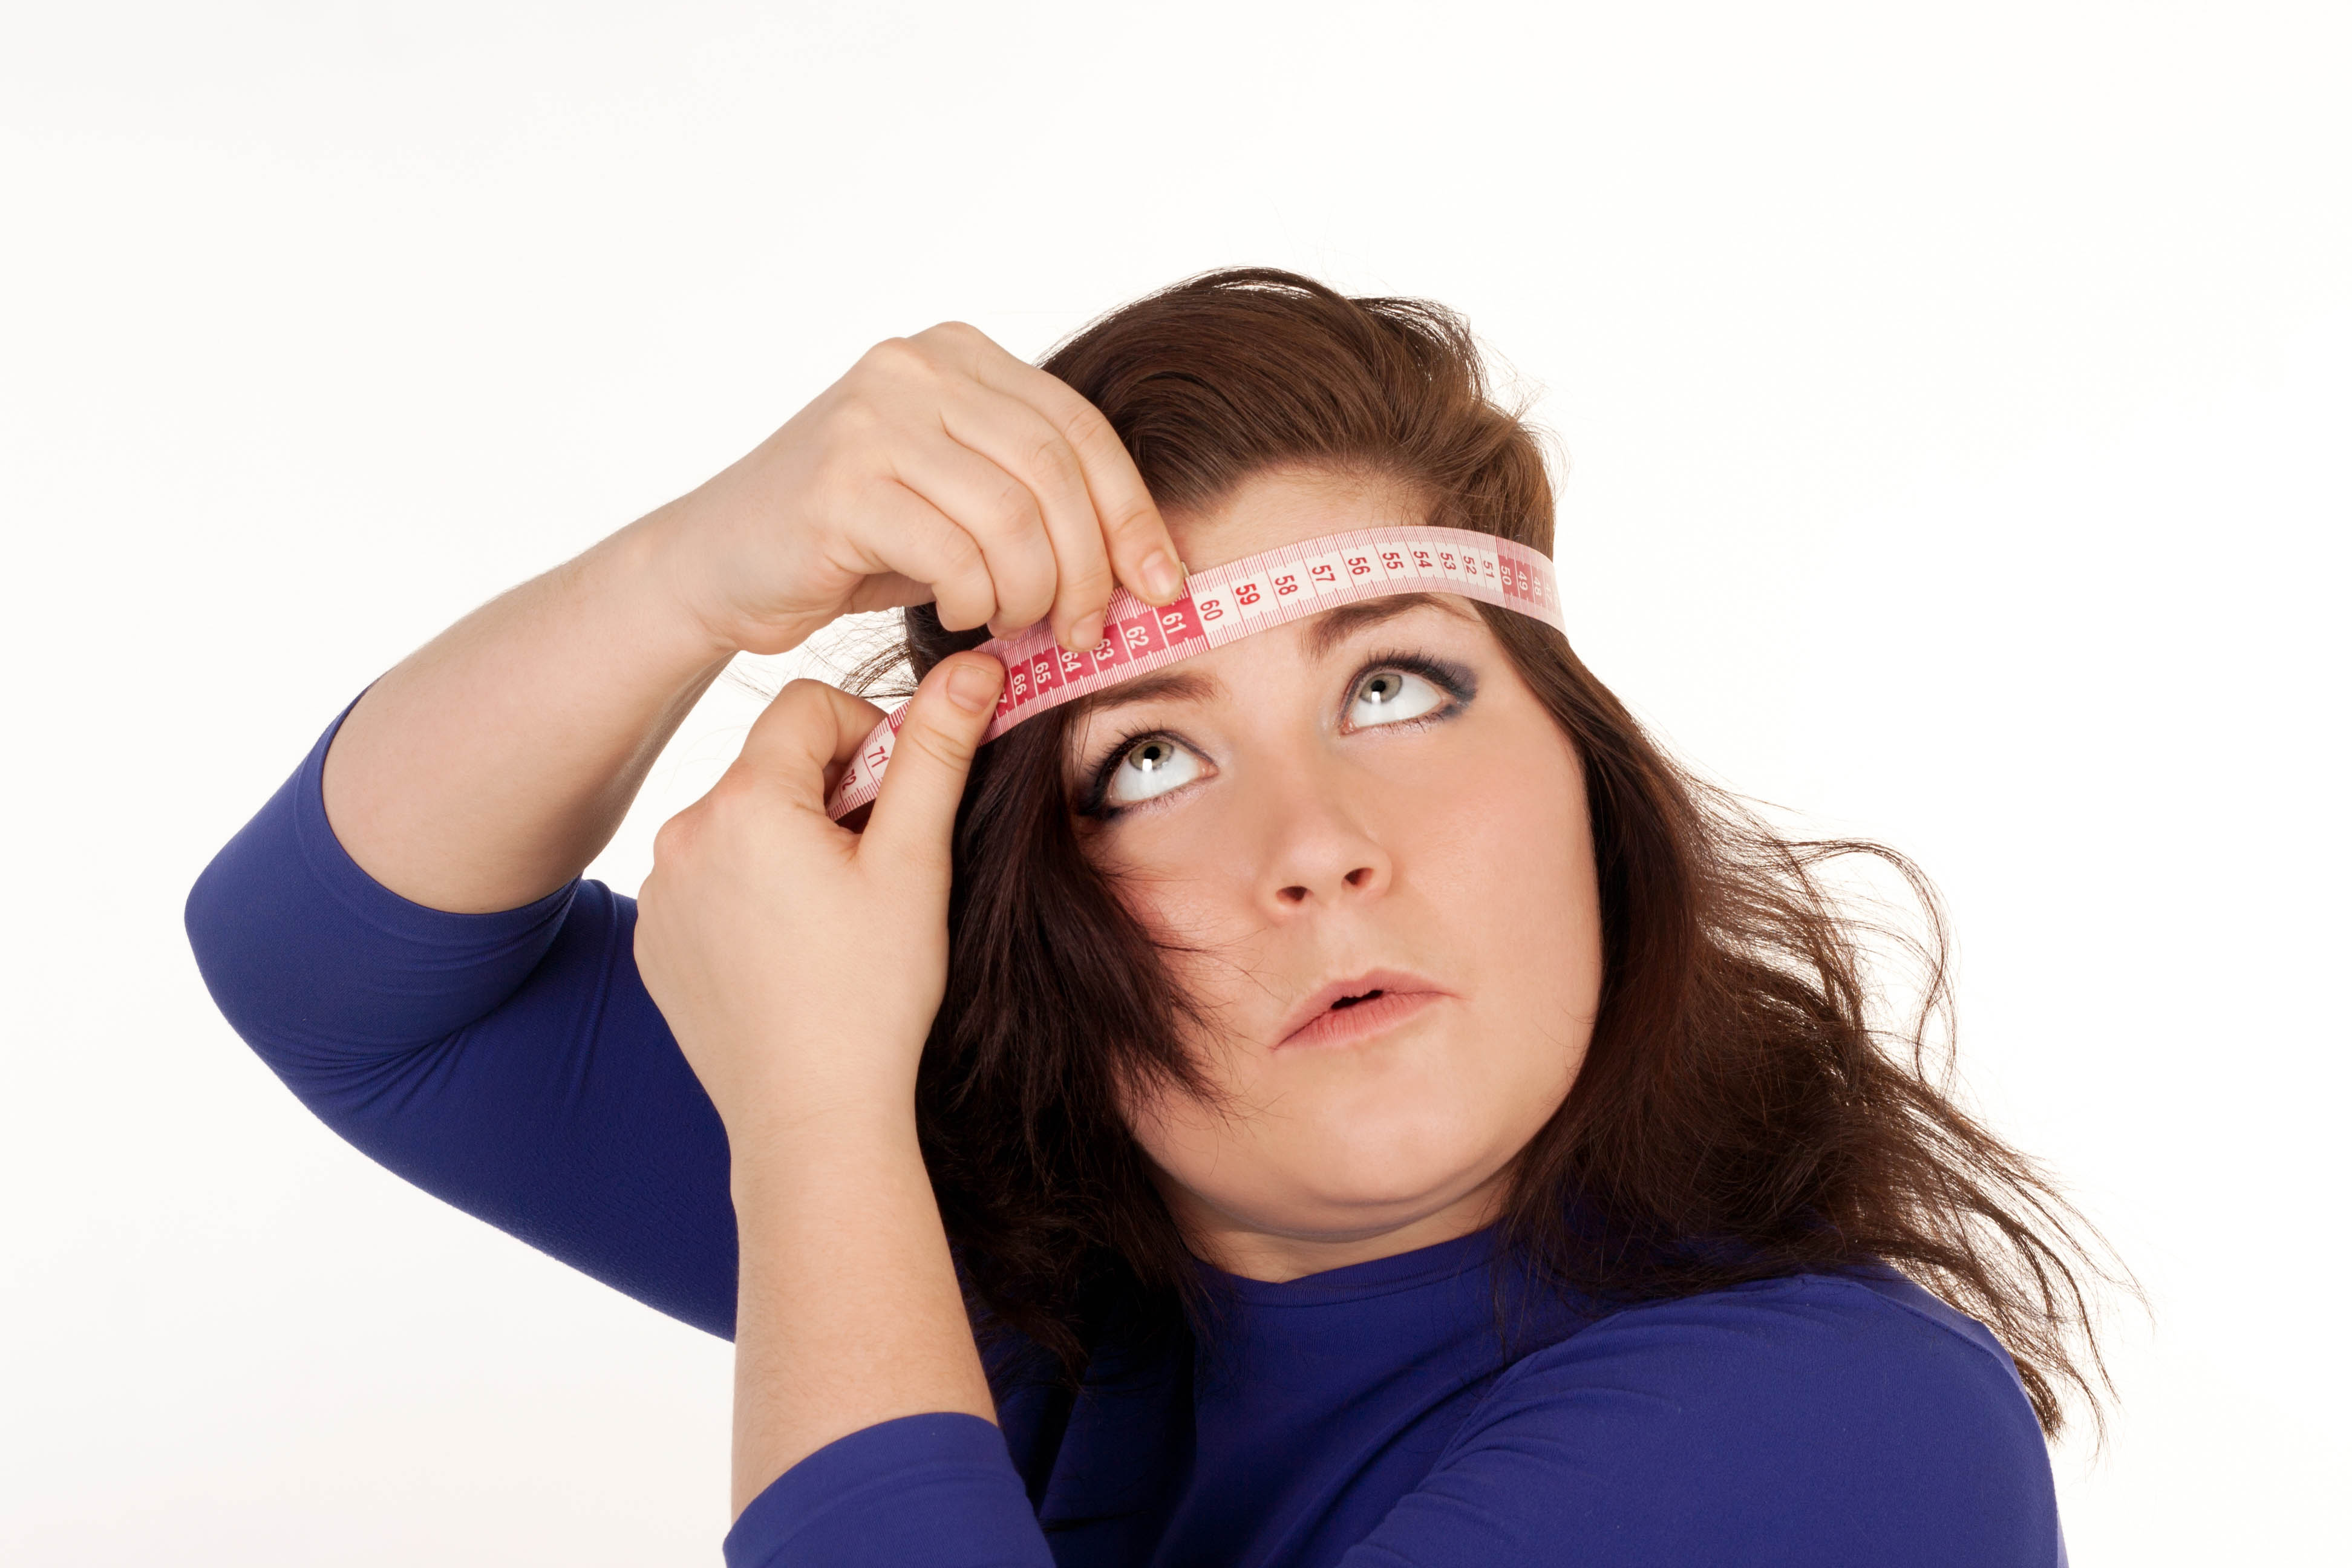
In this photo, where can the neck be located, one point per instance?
(1251, 1251)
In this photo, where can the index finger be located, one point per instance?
(1143, 555)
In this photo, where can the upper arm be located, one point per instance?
(509, 1063)
(1805, 1422)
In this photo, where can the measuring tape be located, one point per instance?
(1225, 604)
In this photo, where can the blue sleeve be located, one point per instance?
(923, 1491)
(1820, 1421)
(511, 1064)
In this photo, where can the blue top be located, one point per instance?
(1372, 1416)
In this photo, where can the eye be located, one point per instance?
(1391, 696)
(1147, 769)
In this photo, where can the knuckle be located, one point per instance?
(1087, 432)
(961, 612)
(936, 748)
(859, 413)
(1088, 584)
(965, 557)
(1052, 459)
(1027, 591)
(1128, 520)
(1011, 510)
(729, 795)
(892, 357)
(804, 702)
(674, 838)
(1017, 506)
(967, 598)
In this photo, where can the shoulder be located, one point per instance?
(1874, 1322)
(1824, 1353)
(1820, 1408)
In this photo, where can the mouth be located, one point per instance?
(1347, 1011)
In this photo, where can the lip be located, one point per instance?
(1402, 995)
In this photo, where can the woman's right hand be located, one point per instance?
(939, 468)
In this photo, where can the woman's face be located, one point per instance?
(1369, 804)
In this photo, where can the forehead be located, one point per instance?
(1287, 506)
(1266, 511)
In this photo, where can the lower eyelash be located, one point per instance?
(1095, 805)
(1451, 678)
(1455, 681)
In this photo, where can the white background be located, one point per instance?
(1957, 400)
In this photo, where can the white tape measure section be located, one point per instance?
(1225, 604)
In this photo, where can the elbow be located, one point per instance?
(228, 952)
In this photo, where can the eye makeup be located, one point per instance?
(1457, 682)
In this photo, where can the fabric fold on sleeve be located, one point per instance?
(509, 1063)
(922, 1491)
(318, 965)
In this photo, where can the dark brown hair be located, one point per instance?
(1741, 1113)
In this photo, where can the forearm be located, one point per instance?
(848, 1312)
(489, 766)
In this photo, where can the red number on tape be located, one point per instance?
(1141, 633)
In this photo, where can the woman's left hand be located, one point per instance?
(798, 963)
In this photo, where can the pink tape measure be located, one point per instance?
(1225, 604)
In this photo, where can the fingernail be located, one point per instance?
(1087, 634)
(972, 686)
(1163, 579)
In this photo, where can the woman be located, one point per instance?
(1348, 1098)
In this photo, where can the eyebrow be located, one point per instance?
(1329, 631)
(1335, 626)
(1183, 685)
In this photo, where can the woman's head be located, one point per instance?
(1360, 842)
(1632, 1029)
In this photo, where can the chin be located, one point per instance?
(1373, 1178)
(1359, 1163)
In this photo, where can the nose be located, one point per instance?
(1320, 849)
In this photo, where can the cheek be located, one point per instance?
(1544, 916)
(1176, 883)
(1513, 869)
(1495, 887)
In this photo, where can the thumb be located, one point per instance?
(915, 812)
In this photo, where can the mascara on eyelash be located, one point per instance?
(1094, 803)
(1457, 681)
